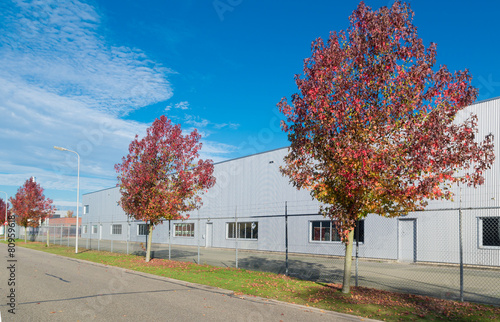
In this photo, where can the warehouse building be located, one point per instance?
(252, 206)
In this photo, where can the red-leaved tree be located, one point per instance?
(30, 205)
(3, 205)
(162, 177)
(373, 126)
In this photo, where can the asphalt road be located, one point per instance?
(53, 288)
(481, 285)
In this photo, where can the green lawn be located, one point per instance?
(365, 302)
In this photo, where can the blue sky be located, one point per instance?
(89, 75)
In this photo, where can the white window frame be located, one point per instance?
(84, 229)
(253, 225)
(96, 230)
(85, 209)
(332, 228)
(113, 230)
(139, 229)
(184, 232)
(480, 228)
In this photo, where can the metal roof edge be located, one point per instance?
(251, 155)
(486, 100)
(238, 158)
(88, 193)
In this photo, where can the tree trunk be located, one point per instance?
(150, 240)
(346, 287)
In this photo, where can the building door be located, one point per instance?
(209, 236)
(408, 240)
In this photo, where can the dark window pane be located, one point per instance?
(316, 230)
(248, 230)
(361, 228)
(241, 232)
(116, 230)
(143, 229)
(491, 231)
(326, 230)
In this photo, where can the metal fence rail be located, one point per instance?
(448, 253)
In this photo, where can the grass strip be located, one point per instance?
(366, 302)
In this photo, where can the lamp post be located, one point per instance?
(6, 217)
(77, 193)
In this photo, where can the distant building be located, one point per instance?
(60, 214)
(57, 221)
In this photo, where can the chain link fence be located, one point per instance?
(448, 253)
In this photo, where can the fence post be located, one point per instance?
(99, 233)
(286, 239)
(461, 253)
(357, 250)
(128, 235)
(237, 233)
(198, 237)
(69, 231)
(89, 235)
(48, 236)
(61, 237)
(112, 223)
(89, 227)
(169, 238)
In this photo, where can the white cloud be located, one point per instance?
(35, 120)
(232, 126)
(184, 105)
(57, 47)
(195, 121)
(216, 151)
(200, 123)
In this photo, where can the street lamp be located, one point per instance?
(77, 193)
(6, 217)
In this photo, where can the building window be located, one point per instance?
(116, 229)
(245, 230)
(142, 229)
(85, 209)
(84, 229)
(325, 230)
(94, 229)
(184, 230)
(491, 231)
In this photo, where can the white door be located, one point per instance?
(407, 240)
(209, 239)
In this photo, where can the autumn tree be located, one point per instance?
(69, 214)
(3, 204)
(162, 177)
(30, 205)
(373, 127)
